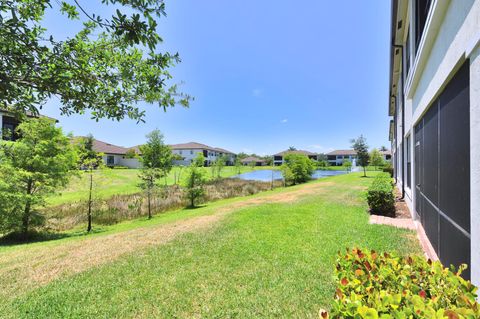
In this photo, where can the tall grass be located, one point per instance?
(125, 207)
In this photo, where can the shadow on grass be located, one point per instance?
(195, 207)
(16, 239)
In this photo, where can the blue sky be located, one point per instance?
(265, 75)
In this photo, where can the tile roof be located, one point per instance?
(106, 148)
(222, 150)
(352, 152)
(252, 159)
(189, 146)
(28, 114)
(295, 152)
(342, 152)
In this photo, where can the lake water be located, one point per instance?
(265, 175)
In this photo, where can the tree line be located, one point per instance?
(43, 160)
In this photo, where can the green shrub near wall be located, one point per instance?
(380, 197)
(388, 169)
(374, 285)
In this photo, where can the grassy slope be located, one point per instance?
(121, 182)
(271, 260)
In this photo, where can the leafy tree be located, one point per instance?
(156, 163)
(177, 158)
(252, 165)
(238, 165)
(199, 160)
(130, 153)
(287, 174)
(361, 148)
(383, 149)
(219, 164)
(36, 165)
(177, 173)
(322, 157)
(242, 155)
(195, 180)
(323, 163)
(376, 158)
(297, 168)
(89, 160)
(268, 160)
(347, 164)
(292, 148)
(106, 68)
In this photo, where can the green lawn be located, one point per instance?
(273, 258)
(110, 182)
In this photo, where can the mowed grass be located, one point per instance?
(110, 182)
(271, 260)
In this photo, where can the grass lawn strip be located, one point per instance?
(272, 258)
(34, 266)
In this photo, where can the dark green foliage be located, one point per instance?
(36, 165)
(297, 168)
(157, 162)
(101, 69)
(323, 163)
(374, 285)
(363, 158)
(388, 169)
(376, 158)
(194, 182)
(380, 196)
(130, 154)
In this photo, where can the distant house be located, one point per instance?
(387, 155)
(188, 152)
(114, 155)
(278, 158)
(9, 123)
(252, 159)
(337, 157)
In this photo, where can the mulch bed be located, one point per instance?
(401, 208)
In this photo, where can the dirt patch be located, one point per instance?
(25, 269)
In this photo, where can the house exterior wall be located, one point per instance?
(451, 38)
(190, 154)
(338, 161)
(130, 162)
(475, 159)
(116, 159)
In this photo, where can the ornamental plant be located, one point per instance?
(382, 285)
(380, 197)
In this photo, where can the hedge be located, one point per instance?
(388, 169)
(373, 285)
(380, 196)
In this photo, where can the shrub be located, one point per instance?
(297, 168)
(388, 169)
(194, 185)
(372, 285)
(380, 196)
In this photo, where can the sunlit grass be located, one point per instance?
(109, 182)
(272, 260)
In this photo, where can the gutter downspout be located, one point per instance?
(395, 133)
(403, 123)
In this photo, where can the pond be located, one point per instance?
(265, 175)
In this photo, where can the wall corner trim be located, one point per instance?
(472, 45)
